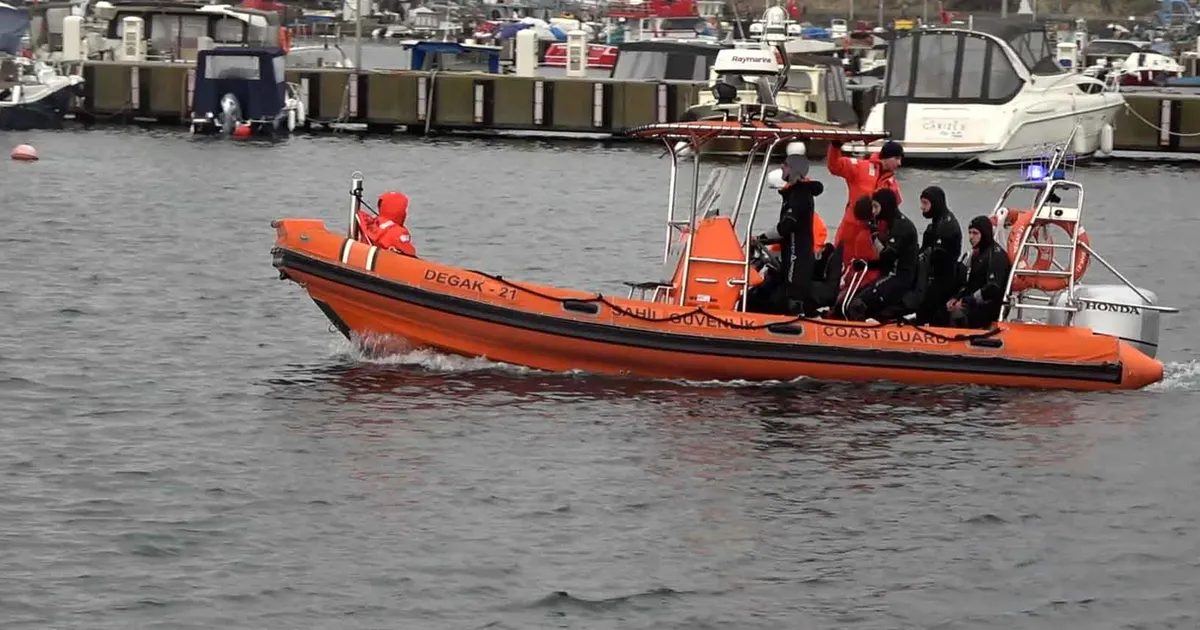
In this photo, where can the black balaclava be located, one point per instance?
(937, 202)
(986, 233)
(888, 204)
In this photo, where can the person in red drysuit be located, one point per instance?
(387, 231)
(859, 257)
(863, 177)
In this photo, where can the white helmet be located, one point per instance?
(775, 178)
(796, 148)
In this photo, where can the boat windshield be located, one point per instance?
(760, 84)
(1110, 47)
(950, 66)
(798, 81)
(681, 24)
(1037, 52)
(683, 65)
(242, 67)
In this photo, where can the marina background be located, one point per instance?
(186, 445)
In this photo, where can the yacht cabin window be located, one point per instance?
(950, 67)
(229, 30)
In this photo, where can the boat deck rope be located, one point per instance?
(699, 310)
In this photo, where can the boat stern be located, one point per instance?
(938, 132)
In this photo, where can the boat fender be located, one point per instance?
(1045, 255)
(1106, 139)
(291, 118)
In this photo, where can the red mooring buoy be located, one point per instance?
(24, 153)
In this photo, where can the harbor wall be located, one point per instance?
(423, 101)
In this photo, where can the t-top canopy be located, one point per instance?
(756, 130)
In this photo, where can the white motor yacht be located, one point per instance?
(991, 93)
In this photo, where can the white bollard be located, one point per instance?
(72, 38)
(526, 61)
(577, 54)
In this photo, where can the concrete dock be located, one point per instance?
(421, 102)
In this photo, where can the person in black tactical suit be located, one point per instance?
(897, 248)
(794, 231)
(937, 273)
(978, 303)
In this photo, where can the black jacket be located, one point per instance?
(898, 257)
(988, 271)
(942, 240)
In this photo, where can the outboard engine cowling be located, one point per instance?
(1138, 326)
(231, 113)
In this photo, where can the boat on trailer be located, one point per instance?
(696, 326)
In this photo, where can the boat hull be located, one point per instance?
(384, 296)
(46, 112)
(954, 133)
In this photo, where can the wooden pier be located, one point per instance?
(418, 101)
(421, 102)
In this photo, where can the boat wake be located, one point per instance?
(431, 360)
(1178, 376)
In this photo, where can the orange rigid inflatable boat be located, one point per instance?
(694, 326)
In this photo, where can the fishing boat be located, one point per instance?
(696, 325)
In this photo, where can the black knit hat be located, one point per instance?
(890, 150)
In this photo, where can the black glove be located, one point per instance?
(859, 265)
(762, 239)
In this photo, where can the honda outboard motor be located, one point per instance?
(1124, 320)
(231, 113)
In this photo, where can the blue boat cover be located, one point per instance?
(254, 75)
(14, 23)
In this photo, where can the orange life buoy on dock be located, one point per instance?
(1018, 221)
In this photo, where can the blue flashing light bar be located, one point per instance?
(1037, 173)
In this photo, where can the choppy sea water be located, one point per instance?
(185, 444)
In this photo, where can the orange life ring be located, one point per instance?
(1019, 221)
(285, 38)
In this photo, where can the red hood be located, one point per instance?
(393, 206)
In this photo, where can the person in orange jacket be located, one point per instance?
(387, 231)
(863, 177)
